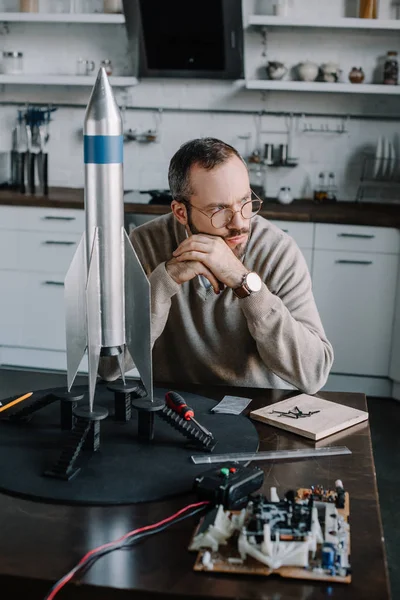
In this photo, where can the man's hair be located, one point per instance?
(206, 152)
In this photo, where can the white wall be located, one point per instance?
(51, 48)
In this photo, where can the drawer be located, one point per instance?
(30, 218)
(357, 238)
(302, 233)
(32, 310)
(35, 251)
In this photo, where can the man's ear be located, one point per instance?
(180, 212)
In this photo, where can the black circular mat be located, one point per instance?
(123, 470)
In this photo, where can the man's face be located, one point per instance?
(225, 186)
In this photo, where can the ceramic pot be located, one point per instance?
(356, 75)
(276, 70)
(285, 195)
(307, 71)
(330, 72)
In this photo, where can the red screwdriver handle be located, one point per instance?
(177, 403)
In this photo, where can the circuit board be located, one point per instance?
(321, 551)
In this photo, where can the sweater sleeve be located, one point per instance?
(286, 326)
(163, 288)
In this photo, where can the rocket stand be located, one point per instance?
(146, 412)
(128, 396)
(85, 435)
(68, 402)
(123, 393)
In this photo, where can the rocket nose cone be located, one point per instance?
(102, 115)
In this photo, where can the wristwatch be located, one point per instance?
(251, 283)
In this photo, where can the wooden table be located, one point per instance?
(39, 543)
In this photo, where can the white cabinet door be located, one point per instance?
(37, 251)
(32, 310)
(355, 295)
(302, 233)
(11, 306)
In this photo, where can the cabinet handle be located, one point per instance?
(51, 218)
(364, 236)
(58, 243)
(50, 282)
(354, 262)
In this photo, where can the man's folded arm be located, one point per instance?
(287, 327)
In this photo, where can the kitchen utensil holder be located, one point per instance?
(342, 127)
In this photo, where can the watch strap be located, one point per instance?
(242, 291)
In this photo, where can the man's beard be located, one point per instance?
(239, 251)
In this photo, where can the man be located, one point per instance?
(231, 295)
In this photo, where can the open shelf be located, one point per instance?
(344, 23)
(25, 17)
(82, 80)
(316, 86)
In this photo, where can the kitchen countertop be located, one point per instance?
(349, 213)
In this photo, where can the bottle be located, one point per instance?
(391, 69)
(320, 192)
(331, 191)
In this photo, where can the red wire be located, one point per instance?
(69, 576)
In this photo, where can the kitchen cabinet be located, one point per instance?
(354, 281)
(303, 235)
(36, 248)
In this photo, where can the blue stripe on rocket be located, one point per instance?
(103, 149)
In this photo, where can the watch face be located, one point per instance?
(253, 282)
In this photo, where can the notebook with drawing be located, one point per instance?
(309, 416)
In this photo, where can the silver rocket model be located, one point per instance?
(107, 293)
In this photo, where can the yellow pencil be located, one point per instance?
(16, 401)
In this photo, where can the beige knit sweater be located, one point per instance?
(271, 339)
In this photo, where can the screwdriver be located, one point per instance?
(177, 404)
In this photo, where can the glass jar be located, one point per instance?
(13, 63)
(368, 9)
(391, 69)
(28, 5)
(112, 6)
(107, 64)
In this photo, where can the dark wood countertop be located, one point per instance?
(346, 213)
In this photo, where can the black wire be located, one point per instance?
(124, 545)
(129, 542)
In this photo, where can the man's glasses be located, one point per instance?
(222, 217)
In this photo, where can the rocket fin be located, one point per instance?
(93, 317)
(137, 316)
(121, 364)
(75, 311)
